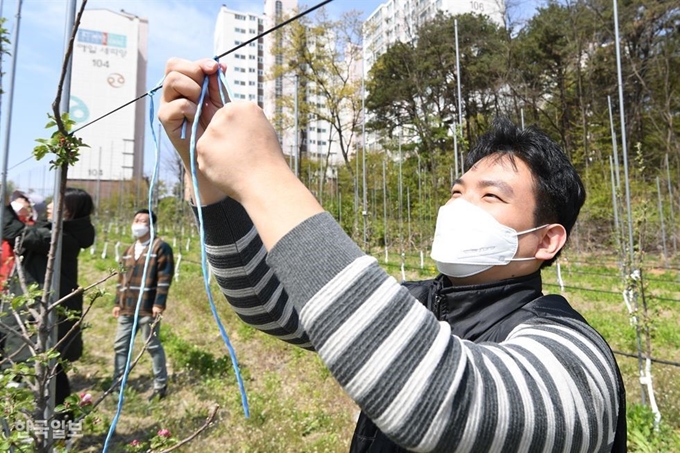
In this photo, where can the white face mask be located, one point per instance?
(17, 206)
(468, 240)
(139, 230)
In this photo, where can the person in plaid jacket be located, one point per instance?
(155, 287)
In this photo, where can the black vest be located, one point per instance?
(487, 312)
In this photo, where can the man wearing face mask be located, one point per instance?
(150, 291)
(476, 359)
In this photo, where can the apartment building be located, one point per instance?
(245, 66)
(109, 69)
(397, 21)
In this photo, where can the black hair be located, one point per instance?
(78, 203)
(150, 213)
(558, 189)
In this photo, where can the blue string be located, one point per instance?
(133, 333)
(204, 262)
(224, 85)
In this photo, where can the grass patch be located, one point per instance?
(192, 358)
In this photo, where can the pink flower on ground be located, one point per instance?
(85, 399)
(164, 433)
(134, 443)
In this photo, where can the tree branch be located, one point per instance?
(208, 422)
(56, 105)
(81, 290)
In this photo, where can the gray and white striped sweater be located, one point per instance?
(549, 387)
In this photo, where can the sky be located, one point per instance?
(176, 29)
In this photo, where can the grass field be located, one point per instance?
(295, 404)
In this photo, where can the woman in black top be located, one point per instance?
(77, 233)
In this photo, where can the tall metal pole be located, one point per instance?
(460, 101)
(339, 207)
(455, 148)
(295, 129)
(408, 213)
(384, 172)
(364, 212)
(614, 145)
(663, 224)
(624, 145)
(8, 118)
(401, 198)
(616, 180)
(624, 148)
(355, 231)
(615, 205)
(670, 205)
(420, 205)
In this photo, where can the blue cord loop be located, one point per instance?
(204, 260)
(224, 85)
(133, 333)
(206, 275)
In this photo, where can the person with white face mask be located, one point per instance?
(153, 287)
(464, 249)
(28, 228)
(478, 360)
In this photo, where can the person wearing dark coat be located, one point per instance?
(77, 233)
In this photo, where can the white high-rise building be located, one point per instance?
(245, 66)
(398, 20)
(109, 69)
(248, 70)
(275, 12)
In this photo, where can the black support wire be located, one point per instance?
(651, 359)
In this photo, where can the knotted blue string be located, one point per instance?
(201, 230)
(204, 265)
(224, 86)
(133, 333)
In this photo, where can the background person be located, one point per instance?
(37, 207)
(156, 285)
(77, 233)
(27, 208)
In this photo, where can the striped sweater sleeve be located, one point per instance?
(237, 261)
(549, 387)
